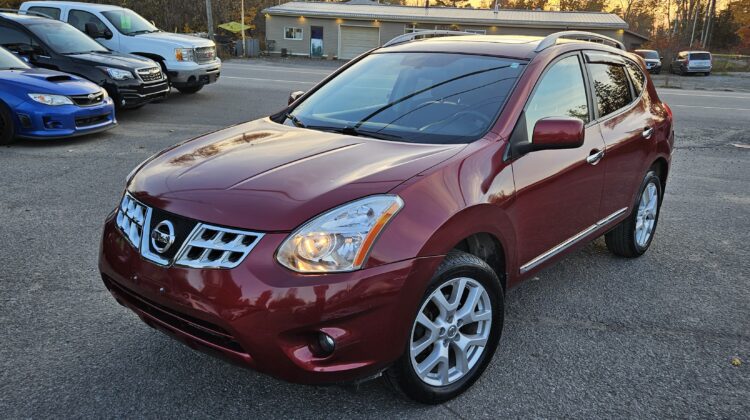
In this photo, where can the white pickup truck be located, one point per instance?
(190, 62)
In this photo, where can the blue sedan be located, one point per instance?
(44, 104)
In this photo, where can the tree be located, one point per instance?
(583, 5)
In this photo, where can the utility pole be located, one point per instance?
(695, 19)
(242, 22)
(210, 20)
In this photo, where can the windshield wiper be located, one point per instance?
(294, 120)
(81, 52)
(351, 131)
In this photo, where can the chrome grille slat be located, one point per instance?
(205, 54)
(150, 74)
(134, 220)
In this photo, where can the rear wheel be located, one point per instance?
(454, 334)
(632, 237)
(7, 126)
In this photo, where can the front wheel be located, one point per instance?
(190, 89)
(7, 127)
(454, 334)
(632, 237)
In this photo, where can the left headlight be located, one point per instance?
(339, 239)
(53, 100)
(118, 74)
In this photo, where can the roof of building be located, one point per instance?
(450, 15)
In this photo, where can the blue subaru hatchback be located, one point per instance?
(44, 104)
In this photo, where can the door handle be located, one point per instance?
(647, 132)
(595, 156)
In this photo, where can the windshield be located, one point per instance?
(64, 39)
(8, 61)
(412, 97)
(648, 54)
(700, 56)
(129, 22)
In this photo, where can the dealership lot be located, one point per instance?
(595, 336)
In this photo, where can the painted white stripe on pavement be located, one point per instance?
(268, 80)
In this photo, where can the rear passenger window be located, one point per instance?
(79, 19)
(560, 93)
(636, 76)
(52, 12)
(610, 87)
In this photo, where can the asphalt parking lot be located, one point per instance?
(592, 337)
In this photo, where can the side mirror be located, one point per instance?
(26, 52)
(294, 96)
(108, 34)
(93, 31)
(661, 57)
(555, 133)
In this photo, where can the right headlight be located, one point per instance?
(118, 74)
(53, 100)
(184, 54)
(339, 239)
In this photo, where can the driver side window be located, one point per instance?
(79, 19)
(560, 93)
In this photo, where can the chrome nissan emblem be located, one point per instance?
(162, 237)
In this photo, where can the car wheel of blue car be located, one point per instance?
(7, 127)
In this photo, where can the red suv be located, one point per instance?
(373, 226)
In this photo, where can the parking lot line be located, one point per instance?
(268, 80)
(710, 107)
(662, 92)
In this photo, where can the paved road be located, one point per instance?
(594, 337)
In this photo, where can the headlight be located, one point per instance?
(184, 54)
(339, 239)
(118, 74)
(105, 95)
(54, 100)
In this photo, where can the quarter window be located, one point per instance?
(561, 93)
(79, 19)
(52, 12)
(637, 76)
(610, 87)
(293, 33)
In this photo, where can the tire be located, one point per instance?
(458, 271)
(190, 89)
(7, 126)
(627, 239)
(657, 71)
(707, 74)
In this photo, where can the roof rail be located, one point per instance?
(551, 39)
(423, 34)
(27, 12)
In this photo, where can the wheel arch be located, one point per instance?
(661, 167)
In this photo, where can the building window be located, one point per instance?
(293, 33)
(476, 31)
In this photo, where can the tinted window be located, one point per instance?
(700, 56)
(52, 12)
(12, 38)
(128, 22)
(636, 76)
(610, 87)
(63, 38)
(79, 19)
(421, 98)
(560, 93)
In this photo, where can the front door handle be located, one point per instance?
(647, 132)
(595, 156)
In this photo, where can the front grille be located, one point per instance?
(89, 121)
(198, 328)
(205, 54)
(216, 247)
(151, 74)
(88, 100)
(191, 244)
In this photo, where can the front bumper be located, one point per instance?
(130, 93)
(698, 69)
(263, 316)
(191, 73)
(38, 121)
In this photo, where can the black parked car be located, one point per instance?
(129, 79)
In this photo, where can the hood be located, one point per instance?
(37, 80)
(176, 40)
(270, 177)
(113, 59)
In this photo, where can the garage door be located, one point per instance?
(356, 39)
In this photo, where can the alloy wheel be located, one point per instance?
(451, 331)
(646, 216)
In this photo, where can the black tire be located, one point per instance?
(707, 73)
(190, 89)
(621, 240)
(657, 71)
(402, 376)
(7, 126)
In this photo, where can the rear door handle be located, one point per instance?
(647, 132)
(595, 156)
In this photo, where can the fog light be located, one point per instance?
(326, 344)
